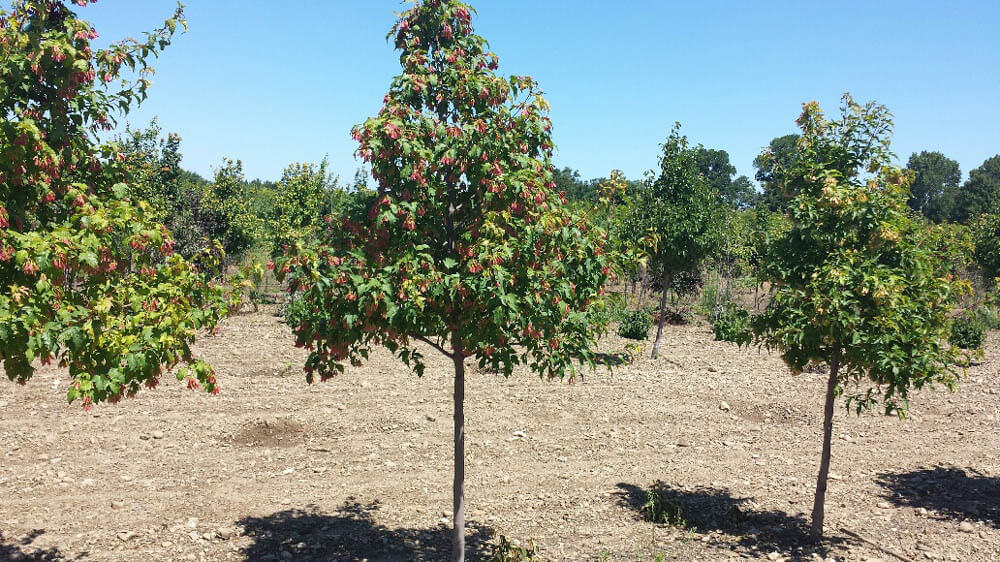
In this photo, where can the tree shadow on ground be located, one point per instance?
(616, 359)
(705, 510)
(351, 534)
(22, 551)
(955, 493)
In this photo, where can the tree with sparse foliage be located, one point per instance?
(88, 277)
(853, 285)
(466, 246)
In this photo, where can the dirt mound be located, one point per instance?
(270, 432)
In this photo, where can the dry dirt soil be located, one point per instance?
(359, 468)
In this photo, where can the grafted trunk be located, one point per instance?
(458, 491)
(819, 503)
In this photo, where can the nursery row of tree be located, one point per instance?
(111, 255)
(936, 190)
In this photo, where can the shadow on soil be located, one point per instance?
(955, 493)
(22, 551)
(704, 510)
(351, 534)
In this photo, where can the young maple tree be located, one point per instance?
(88, 277)
(465, 246)
(681, 211)
(854, 285)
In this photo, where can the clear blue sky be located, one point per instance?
(278, 82)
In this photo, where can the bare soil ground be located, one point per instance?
(359, 468)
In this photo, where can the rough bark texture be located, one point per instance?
(663, 315)
(816, 531)
(458, 536)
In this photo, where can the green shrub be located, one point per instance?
(968, 332)
(635, 325)
(731, 323)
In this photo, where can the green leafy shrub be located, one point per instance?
(731, 323)
(512, 551)
(635, 325)
(968, 332)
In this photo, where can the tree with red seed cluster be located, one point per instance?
(465, 246)
(87, 277)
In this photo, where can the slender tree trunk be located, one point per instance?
(643, 285)
(816, 531)
(663, 316)
(458, 493)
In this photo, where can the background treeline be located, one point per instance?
(717, 222)
(248, 218)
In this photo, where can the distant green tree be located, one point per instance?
(741, 194)
(986, 238)
(771, 166)
(935, 181)
(305, 195)
(981, 193)
(154, 166)
(226, 213)
(174, 194)
(682, 211)
(568, 180)
(715, 167)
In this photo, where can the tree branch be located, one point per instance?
(435, 346)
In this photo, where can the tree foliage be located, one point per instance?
(981, 193)
(718, 172)
(89, 277)
(935, 183)
(303, 197)
(771, 166)
(986, 241)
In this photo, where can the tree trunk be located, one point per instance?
(816, 531)
(458, 492)
(663, 316)
(643, 285)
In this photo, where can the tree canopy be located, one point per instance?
(981, 193)
(89, 277)
(935, 182)
(771, 166)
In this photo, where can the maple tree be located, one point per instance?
(465, 246)
(89, 277)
